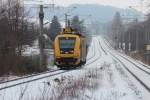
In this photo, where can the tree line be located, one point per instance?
(16, 31)
(55, 26)
(131, 37)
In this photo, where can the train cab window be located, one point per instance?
(66, 44)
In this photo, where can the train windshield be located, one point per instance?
(67, 44)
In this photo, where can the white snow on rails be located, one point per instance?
(107, 75)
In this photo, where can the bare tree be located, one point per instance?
(14, 34)
(117, 29)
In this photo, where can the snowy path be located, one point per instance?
(102, 78)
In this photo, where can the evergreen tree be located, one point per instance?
(77, 24)
(116, 25)
(117, 29)
(55, 28)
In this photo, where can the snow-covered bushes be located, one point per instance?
(20, 65)
(32, 64)
(72, 88)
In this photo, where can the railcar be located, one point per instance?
(70, 49)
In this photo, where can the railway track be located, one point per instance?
(102, 48)
(93, 54)
(28, 80)
(31, 78)
(135, 76)
(148, 72)
(127, 58)
(91, 60)
(146, 66)
(99, 50)
(28, 76)
(39, 76)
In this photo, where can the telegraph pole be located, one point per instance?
(136, 37)
(66, 20)
(66, 17)
(41, 17)
(129, 46)
(53, 4)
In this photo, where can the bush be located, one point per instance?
(20, 65)
(32, 64)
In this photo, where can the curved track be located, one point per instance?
(22, 81)
(129, 59)
(28, 76)
(123, 64)
(94, 58)
(39, 76)
(148, 72)
(135, 76)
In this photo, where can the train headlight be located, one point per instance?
(72, 51)
(66, 52)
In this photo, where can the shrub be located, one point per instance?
(32, 64)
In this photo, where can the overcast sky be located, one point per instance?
(116, 3)
(136, 4)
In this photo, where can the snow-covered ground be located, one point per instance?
(103, 77)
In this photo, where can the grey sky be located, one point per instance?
(117, 3)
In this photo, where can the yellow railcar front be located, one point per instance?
(67, 50)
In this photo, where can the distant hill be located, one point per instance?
(99, 13)
(103, 13)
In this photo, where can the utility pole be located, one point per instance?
(147, 54)
(66, 20)
(1, 4)
(66, 16)
(41, 17)
(53, 4)
(129, 49)
(136, 37)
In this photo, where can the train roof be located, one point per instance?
(72, 31)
